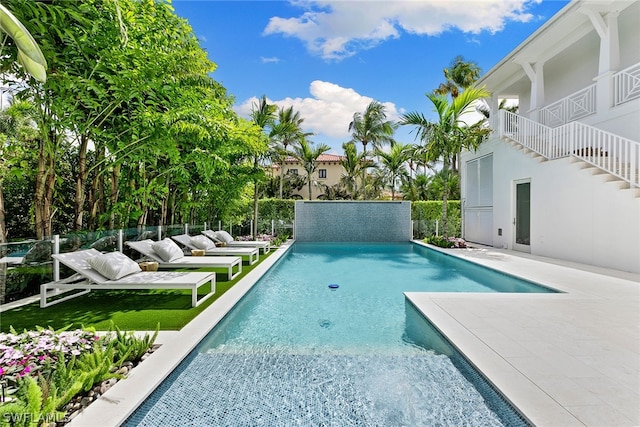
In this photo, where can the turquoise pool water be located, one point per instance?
(296, 352)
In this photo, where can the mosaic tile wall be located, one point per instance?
(348, 221)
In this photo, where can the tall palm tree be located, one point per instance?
(371, 127)
(308, 155)
(393, 163)
(286, 131)
(449, 134)
(263, 114)
(420, 155)
(460, 75)
(352, 162)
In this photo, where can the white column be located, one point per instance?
(494, 111)
(609, 58)
(536, 76)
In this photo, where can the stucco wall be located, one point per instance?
(347, 221)
(334, 171)
(575, 215)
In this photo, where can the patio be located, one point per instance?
(569, 359)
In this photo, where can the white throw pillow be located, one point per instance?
(224, 236)
(202, 242)
(212, 235)
(113, 265)
(167, 250)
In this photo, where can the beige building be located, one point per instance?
(327, 174)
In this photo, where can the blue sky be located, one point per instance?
(329, 59)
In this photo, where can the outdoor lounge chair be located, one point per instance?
(210, 248)
(226, 238)
(88, 278)
(145, 247)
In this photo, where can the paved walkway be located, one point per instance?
(567, 359)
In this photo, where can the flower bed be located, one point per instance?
(446, 242)
(47, 376)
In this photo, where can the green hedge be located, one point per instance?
(425, 213)
(276, 209)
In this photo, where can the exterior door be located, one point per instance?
(522, 217)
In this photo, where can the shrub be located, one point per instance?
(446, 242)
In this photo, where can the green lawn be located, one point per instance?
(129, 310)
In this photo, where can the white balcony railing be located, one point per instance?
(626, 85)
(612, 153)
(573, 107)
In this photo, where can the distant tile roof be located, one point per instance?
(323, 158)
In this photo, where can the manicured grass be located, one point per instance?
(129, 310)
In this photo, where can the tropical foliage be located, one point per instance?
(449, 134)
(307, 155)
(130, 129)
(129, 107)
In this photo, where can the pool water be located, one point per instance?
(296, 352)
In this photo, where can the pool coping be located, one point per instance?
(587, 377)
(537, 402)
(115, 406)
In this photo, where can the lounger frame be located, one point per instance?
(265, 245)
(252, 253)
(88, 279)
(228, 262)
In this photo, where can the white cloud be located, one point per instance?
(272, 59)
(336, 29)
(328, 111)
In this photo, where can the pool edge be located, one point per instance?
(114, 407)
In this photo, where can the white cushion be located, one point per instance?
(224, 236)
(113, 265)
(167, 250)
(212, 235)
(202, 242)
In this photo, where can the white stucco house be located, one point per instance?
(560, 178)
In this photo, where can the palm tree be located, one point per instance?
(417, 188)
(486, 112)
(286, 131)
(448, 135)
(262, 114)
(308, 158)
(460, 75)
(420, 155)
(353, 163)
(393, 163)
(371, 127)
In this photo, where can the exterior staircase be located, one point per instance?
(614, 160)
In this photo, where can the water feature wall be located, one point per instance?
(352, 221)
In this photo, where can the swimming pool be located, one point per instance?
(296, 352)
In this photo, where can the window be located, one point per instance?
(322, 173)
(293, 171)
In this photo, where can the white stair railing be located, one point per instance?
(626, 85)
(612, 153)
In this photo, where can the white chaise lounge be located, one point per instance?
(226, 238)
(145, 247)
(88, 279)
(203, 242)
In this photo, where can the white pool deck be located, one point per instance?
(566, 359)
(570, 359)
